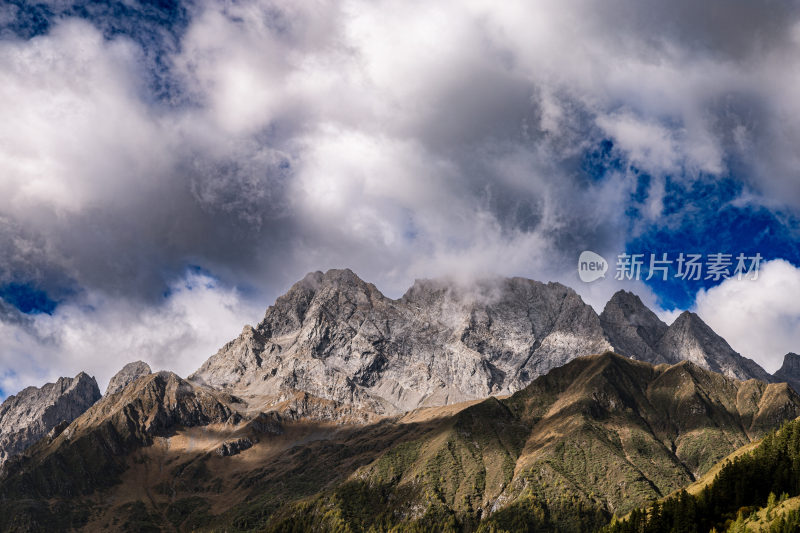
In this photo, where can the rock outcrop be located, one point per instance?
(234, 447)
(790, 371)
(34, 412)
(129, 373)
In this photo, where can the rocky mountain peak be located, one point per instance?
(629, 307)
(427, 290)
(33, 412)
(688, 319)
(339, 339)
(238, 360)
(632, 328)
(690, 338)
(623, 298)
(790, 370)
(690, 324)
(332, 281)
(791, 365)
(635, 331)
(130, 372)
(158, 402)
(315, 291)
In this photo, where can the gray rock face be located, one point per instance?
(338, 338)
(636, 332)
(34, 412)
(632, 328)
(690, 339)
(129, 373)
(790, 371)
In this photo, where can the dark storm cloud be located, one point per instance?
(734, 30)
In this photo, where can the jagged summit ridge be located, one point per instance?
(689, 338)
(636, 332)
(339, 338)
(33, 412)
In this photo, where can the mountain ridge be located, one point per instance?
(335, 338)
(338, 337)
(34, 411)
(455, 405)
(598, 436)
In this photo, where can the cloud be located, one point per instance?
(263, 139)
(102, 190)
(759, 318)
(74, 131)
(471, 124)
(99, 334)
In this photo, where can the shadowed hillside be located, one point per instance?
(600, 435)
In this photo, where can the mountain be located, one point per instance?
(689, 338)
(337, 337)
(455, 407)
(33, 412)
(635, 331)
(756, 489)
(587, 440)
(632, 329)
(128, 373)
(599, 435)
(90, 453)
(790, 371)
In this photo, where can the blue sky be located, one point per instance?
(175, 166)
(703, 214)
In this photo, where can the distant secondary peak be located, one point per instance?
(129, 373)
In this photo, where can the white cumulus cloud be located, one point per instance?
(98, 334)
(759, 318)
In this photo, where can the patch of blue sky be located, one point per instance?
(700, 214)
(702, 217)
(27, 298)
